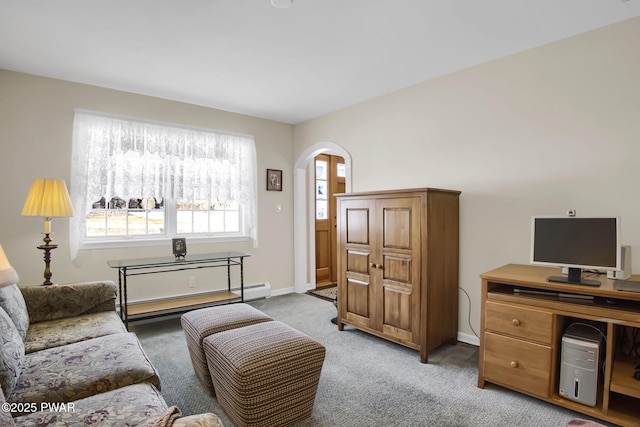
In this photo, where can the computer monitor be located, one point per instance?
(576, 243)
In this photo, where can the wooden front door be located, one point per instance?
(329, 180)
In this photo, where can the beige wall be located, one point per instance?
(540, 132)
(36, 116)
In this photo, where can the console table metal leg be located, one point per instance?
(120, 293)
(123, 304)
(241, 279)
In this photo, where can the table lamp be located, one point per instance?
(48, 198)
(8, 275)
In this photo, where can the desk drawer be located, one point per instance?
(517, 364)
(519, 321)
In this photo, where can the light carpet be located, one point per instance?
(365, 381)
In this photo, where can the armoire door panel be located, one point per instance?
(358, 226)
(398, 310)
(358, 261)
(398, 313)
(399, 225)
(398, 268)
(358, 297)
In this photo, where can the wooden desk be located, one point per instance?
(521, 337)
(139, 266)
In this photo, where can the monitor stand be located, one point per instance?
(574, 278)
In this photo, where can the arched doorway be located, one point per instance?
(303, 212)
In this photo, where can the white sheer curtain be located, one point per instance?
(119, 157)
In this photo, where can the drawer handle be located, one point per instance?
(380, 266)
(514, 364)
(515, 322)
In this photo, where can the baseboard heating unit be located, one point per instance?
(257, 291)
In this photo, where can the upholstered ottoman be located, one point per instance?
(198, 324)
(265, 374)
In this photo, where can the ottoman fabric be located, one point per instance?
(198, 324)
(265, 374)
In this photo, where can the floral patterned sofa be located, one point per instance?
(67, 359)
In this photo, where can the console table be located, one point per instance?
(523, 318)
(139, 266)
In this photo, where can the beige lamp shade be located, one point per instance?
(48, 198)
(8, 275)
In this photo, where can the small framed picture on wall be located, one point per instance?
(274, 180)
(179, 247)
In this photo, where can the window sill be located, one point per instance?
(160, 241)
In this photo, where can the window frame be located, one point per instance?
(247, 220)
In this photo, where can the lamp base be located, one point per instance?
(47, 248)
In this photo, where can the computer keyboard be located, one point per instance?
(628, 285)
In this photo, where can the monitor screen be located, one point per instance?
(584, 243)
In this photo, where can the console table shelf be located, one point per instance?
(180, 303)
(523, 318)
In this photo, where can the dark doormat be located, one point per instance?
(329, 293)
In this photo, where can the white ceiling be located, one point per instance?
(288, 65)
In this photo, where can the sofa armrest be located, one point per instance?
(172, 417)
(200, 420)
(68, 300)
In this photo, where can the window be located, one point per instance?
(322, 208)
(140, 181)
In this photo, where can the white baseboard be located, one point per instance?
(276, 292)
(468, 339)
(256, 291)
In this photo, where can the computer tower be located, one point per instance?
(581, 361)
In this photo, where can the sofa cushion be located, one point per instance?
(134, 405)
(11, 353)
(6, 420)
(82, 369)
(54, 333)
(12, 301)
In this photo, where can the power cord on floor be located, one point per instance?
(469, 316)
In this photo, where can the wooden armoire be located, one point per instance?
(398, 265)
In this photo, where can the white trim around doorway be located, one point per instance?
(303, 212)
